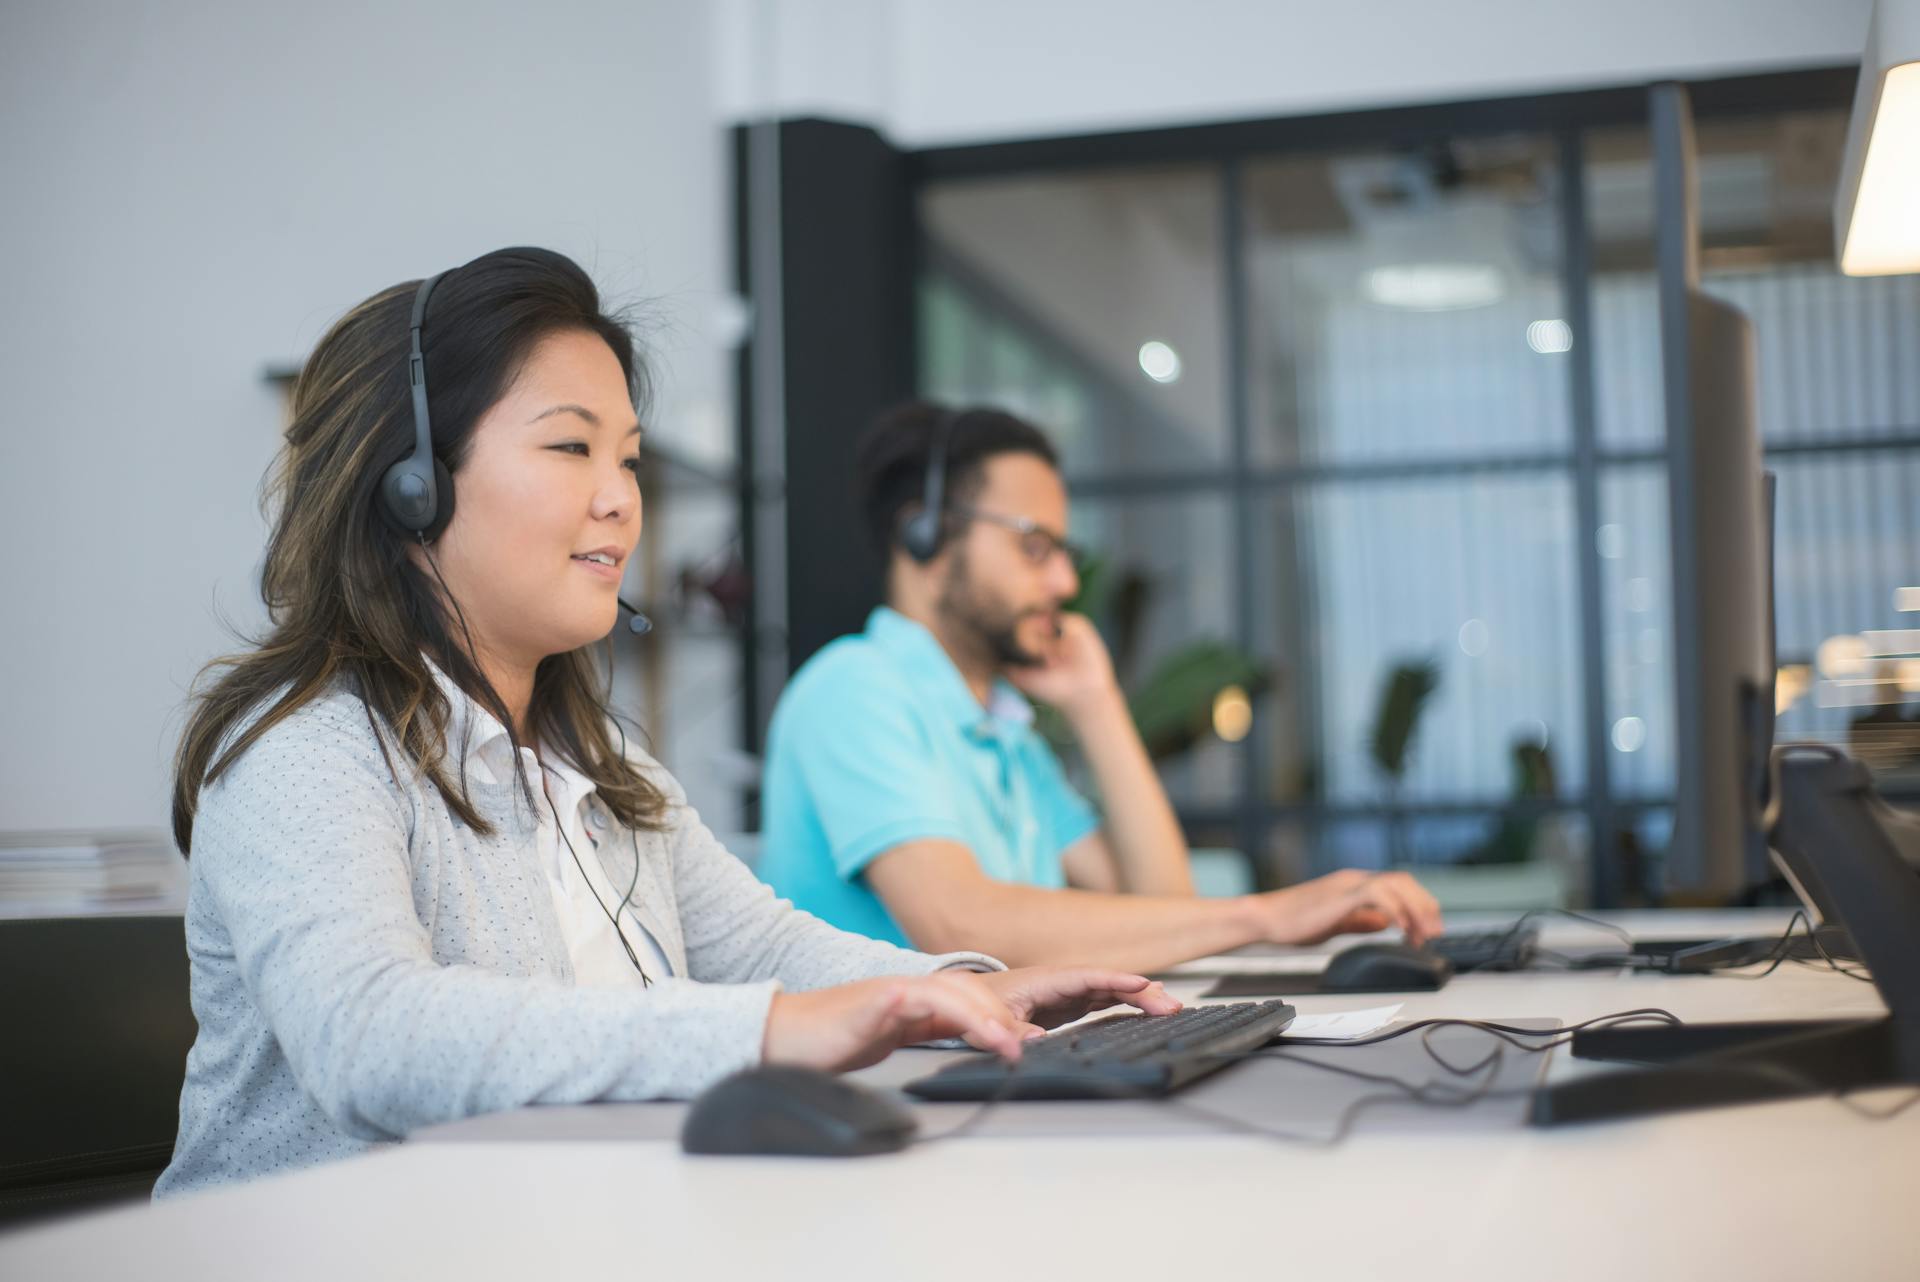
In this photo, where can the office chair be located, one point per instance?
(95, 1024)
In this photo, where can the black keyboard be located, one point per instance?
(1121, 1056)
(1507, 949)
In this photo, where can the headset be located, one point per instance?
(416, 493)
(924, 531)
(417, 496)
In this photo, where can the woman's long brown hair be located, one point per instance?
(348, 607)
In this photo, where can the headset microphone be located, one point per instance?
(637, 622)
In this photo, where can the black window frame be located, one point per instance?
(1567, 118)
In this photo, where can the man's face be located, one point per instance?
(1003, 586)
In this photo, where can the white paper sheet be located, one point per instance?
(1343, 1025)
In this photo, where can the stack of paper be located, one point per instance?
(49, 874)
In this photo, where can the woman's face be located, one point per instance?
(548, 506)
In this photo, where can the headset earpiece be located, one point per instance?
(416, 493)
(920, 536)
(922, 533)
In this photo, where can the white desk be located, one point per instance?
(1800, 1190)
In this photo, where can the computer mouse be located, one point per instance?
(1384, 968)
(781, 1109)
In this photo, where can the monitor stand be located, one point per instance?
(1837, 836)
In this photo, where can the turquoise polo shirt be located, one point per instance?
(878, 741)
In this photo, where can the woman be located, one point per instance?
(429, 876)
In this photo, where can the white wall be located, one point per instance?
(196, 190)
(936, 71)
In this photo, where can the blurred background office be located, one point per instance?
(1345, 317)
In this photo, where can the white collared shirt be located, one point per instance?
(579, 885)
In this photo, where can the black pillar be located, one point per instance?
(846, 304)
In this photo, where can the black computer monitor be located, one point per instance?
(1814, 809)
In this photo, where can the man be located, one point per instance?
(907, 795)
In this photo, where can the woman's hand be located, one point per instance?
(853, 1025)
(1347, 902)
(1048, 996)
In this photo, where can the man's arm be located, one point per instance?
(944, 903)
(936, 891)
(1143, 847)
(1089, 864)
(1142, 838)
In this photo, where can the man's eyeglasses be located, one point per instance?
(1037, 544)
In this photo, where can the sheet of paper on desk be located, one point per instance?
(1342, 1025)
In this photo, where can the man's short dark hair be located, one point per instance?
(890, 464)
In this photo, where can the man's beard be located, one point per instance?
(988, 624)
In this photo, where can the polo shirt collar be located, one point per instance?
(931, 669)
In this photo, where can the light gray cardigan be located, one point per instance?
(365, 964)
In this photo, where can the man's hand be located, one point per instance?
(854, 1025)
(1347, 902)
(1076, 674)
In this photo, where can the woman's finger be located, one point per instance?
(1151, 998)
(986, 1002)
(935, 1006)
(1055, 995)
(1049, 985)
(870, 1030)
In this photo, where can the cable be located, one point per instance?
(1001, 1094)
(1343, 1122)
(1777, 956)
(1345, 1119)
(513, 738)
(633, 881)
(1504, 945)
(646, 981)
(1505, 1032)
(1439, 1094)
(1570, 915)
(1421, 1093)
(1774, 958)
(1851, 972)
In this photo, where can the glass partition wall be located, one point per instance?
(1367, 437)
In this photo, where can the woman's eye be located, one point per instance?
(572, 447)
(633, 464)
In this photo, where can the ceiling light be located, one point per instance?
(1550, 336)
(1435, 287)
(1159, 362)
(1876, 210)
